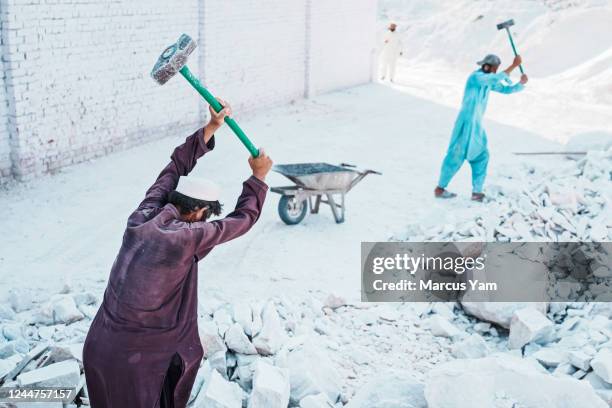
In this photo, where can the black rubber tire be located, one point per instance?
(291, 216)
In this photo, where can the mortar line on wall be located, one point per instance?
(9, 91)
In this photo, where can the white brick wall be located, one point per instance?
(5, 151)
(254, 51)
(78, 70)
(80, 77)
(342, 40)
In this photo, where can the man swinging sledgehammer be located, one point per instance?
(143, 348)
(469, 140)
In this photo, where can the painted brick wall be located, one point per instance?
(77, 71)
(254, 51)
(80, 78)
(5, 151)
(342, 40)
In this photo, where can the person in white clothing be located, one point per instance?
(391, 50)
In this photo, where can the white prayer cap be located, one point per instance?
(199, 188)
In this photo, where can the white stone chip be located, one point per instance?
(441, 327)
(19, 346)
(6, 312)
(551, 357)
(499, 312)
(334, 302)
(270, 386)
(243, 315)
(316, 401)
(580, 359)
(217, 392)
(65, 309)
(223, 319)
(272, 335)
(210, 339)
(63, 374)
(473, 346)
(237, 341)
(12, 331)
(311, 372)
(602, 364)
(528, 325)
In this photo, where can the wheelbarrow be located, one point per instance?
(313, 181)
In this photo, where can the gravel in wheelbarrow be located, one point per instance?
(318, 176)
(303, 169)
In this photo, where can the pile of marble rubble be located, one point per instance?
(528, 202)
(330, 353)
(41, 343)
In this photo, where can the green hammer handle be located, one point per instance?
(514, 48)
(218, 107)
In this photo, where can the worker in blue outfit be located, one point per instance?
(469, 140)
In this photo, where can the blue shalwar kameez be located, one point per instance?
(469, 139)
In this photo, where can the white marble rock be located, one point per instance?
(602, 364)
(12, 331)
(217, 392)
(243, 315)
(529, 325)
(441, 327)
(210, 338)
(236, 340)
(316, 401)
(311, 372)
(499, 313)
(271, 386)
(65, 309)
(505, 381)
(580, 359)
(6, 312)
(473, 346)
(272, 335)
(63, 374)
(334, 302)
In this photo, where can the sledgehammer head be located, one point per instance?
(173, 59)
(505, 24)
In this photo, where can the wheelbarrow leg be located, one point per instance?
(338, 215)
(315, 208)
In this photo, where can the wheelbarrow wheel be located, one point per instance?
(292, 211)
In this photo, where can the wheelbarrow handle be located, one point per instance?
(363, 172)
(360, 177)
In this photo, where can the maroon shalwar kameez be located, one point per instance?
(148, 317)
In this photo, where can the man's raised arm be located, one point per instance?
(206, 235)
(184, 159)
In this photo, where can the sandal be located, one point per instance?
(479, 197)
(439, 192)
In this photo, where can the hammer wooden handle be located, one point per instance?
(195, 82)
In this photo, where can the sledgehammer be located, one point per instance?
(173, 60)
(506, 25)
